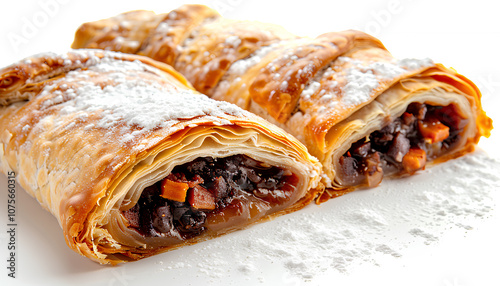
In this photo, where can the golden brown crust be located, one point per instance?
(124, 33)
(296, 66)
(326, 90)
(323, 120)
(163, 43)
(101, 126)
(206, 57)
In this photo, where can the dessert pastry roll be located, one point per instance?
(132, 161)
(370, 115)
(415, 122)
(362, 112)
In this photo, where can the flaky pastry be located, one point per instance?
(362, 112)
(132, 161)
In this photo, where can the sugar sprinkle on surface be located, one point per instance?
(356, 229)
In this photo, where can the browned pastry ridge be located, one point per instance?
(360, 111)
(132, 161)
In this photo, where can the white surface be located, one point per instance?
(448, 240)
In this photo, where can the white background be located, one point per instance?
(462, 34)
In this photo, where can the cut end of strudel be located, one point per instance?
(132, 161)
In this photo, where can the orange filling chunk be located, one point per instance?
(433, 130)
(414, 160)
(175, 191)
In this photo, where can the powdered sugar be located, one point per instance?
(284, 85)
(421, 233)
(413, 64)
(359, 86)
(240, 67)
(233, 41)
(114, 89)
(310, 90)
(139, 103)
(163, 27)
(365, 227)
(362, 79)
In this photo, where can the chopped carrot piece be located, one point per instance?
(201, 198)
(433, 130)
(175, 191)
(414, 160)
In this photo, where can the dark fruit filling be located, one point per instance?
(192, 192)
(404, 145)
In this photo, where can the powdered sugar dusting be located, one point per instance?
(310, 90)
(359, 86)
(142, 104)
(163, 27)
(413, 64)
(241, 66)
(421, 233)
(114, 89)
(362, 79)
(233, 41)
(365, 227)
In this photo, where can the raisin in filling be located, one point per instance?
(423, 132)
(192, 192)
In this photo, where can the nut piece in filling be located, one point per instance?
(422, 133)
(209, 192)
